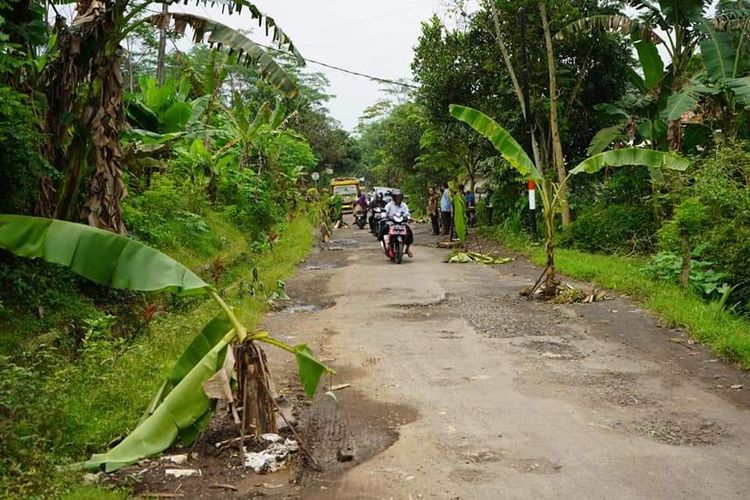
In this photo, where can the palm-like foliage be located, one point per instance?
(686, 27)
(181, 408)
(514, 154)
(83, 81)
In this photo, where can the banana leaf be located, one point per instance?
(651, 62)
(237, 43)
(310, 369)
(608, 22)
(631, 156)
(683, 101)
(183, 413)
(101, 256)
(607, 136)
(505, 144)
(206, 340)
(459, 216)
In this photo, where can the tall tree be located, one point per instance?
(84, 84)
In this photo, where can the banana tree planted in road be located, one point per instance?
(183, 406)
(550, 191)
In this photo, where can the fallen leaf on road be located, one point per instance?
(737, 386)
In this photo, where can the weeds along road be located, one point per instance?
(461, 389)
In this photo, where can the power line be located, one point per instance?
(348, 71)
(337, 68)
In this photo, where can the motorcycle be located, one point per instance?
(394, 241)
(377, 219)
(360, 219)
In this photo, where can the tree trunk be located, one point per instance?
(255, 392)
(500, 39)
(162, 53)
(84, 82)
(550, 283)
(557, 152)
(104, 207)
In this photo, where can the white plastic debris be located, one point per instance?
(182, 472)
(176, 459)
(271, 437)
(273, 458)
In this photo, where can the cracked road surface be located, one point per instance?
(461, 389)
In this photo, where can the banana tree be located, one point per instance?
(680, 26)
(723, 82)
(84, 88)
(183, 405)
(550, 191)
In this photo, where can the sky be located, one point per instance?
(369, 37)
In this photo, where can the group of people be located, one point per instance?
(397, 206)
(441, 208)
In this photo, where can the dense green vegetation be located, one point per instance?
(664, 76)
(206, 166)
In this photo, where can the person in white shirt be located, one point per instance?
(394, 207)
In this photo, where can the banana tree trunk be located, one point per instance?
(550, 282)
(557, 152)
(85, 83)
(104, 207)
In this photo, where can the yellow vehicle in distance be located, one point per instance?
(347, 188)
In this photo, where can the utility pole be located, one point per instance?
(162, 46)
(528, 124)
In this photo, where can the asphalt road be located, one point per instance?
(461, 389)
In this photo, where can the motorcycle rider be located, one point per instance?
(394, 207)
(360, 206)
(376, 201)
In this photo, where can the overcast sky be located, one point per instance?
(369, 37)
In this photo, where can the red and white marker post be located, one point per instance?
(532, 210)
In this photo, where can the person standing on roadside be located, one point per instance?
(471, 205)
(446, 210)
(432, 209)
(490, 207)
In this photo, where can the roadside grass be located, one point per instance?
(707, 322)
(85, 404)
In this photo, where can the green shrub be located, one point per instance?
(20, 162)
(611, 229)
(169, 214)
(715, 211)
(708, 282)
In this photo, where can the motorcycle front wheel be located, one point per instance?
(398, 250)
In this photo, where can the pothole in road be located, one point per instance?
(345, 243)
(680, 430)
(321, 267)
(300, 307)
(423, 305)
(534, 466)
(349, 431)
(553, 350)
(611, 388)
(449, 335)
